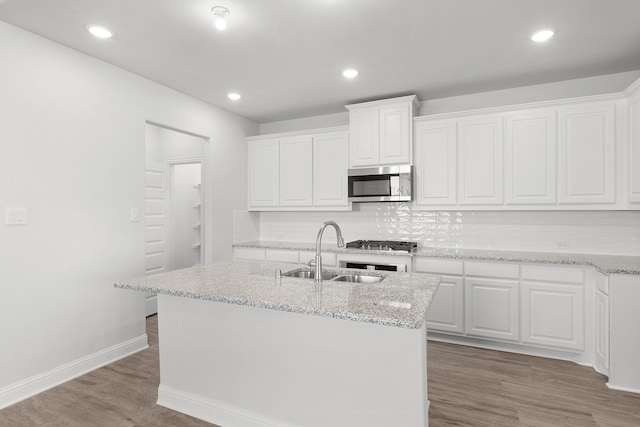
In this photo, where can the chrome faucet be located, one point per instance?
(318, 261)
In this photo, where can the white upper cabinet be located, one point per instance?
(296, 171)
(435, 163)
(480, 160)
(330, 165)
(634, 142)
(530, 152)
(381, 131)
(586, 154)
(395, 134)
(263, 173)
(561, 155)
(365, 137)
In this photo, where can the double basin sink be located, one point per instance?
(333, 276)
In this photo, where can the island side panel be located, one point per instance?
(241, 366)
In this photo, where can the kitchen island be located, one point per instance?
(240, 348)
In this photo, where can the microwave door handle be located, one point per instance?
(394, 180)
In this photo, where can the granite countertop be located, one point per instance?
(608, 264)
(400, 300)
(307, 246)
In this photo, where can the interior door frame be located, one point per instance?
(206, 243)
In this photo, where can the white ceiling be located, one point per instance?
(286, 56)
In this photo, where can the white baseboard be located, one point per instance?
(627, 389)
(213, 411)
(24, 389)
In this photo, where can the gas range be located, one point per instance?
(383, 245)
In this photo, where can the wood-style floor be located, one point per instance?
(467, 387)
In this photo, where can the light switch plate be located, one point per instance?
(16, 216)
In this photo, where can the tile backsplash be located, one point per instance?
(596, 232)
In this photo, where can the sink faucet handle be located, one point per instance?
(311, 263)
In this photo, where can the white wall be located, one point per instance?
(72, 132)
(314, 122)
(597, 85)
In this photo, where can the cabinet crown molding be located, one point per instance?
(383, 102)
(633, 90)
(609, 97)
(306, 132)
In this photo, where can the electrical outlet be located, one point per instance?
(562, 244)
(135, 214)
(16, 216)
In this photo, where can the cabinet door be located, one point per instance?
(330, 167)
(602, 333)
(446, 313)
(480, 167)
(586, 154)
(530, 150)
(553, 315)
(264, 173)
(492, 308)
(296, 171)
(435, 168)
(634, 148)
(281, 255)
(395, 135)
(253, 254)
(364, 139)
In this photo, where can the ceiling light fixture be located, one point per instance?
(350, 73)
(220, 13)
(542, 35)
(234, 96)
(100, 32)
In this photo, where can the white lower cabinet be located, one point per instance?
(553, 315)
(291, 256)
(250, 254)
(328, 258)
(601, 315)
(446, 313)
(492, 308)
(553, 306)
(601, 362)
(276, 255)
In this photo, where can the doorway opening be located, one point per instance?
(174, 201)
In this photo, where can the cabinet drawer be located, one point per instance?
(282, 255)
(489, 269)
(553, 274)
(328, 258)
(254, 254)
(438, 266)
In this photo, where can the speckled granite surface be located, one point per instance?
(400, 300)
(609, 264)
(304, 246)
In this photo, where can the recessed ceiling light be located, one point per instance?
(100, 32)
(234, 96)
(542, 35)
(350, 73)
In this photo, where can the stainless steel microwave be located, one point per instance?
(381, 184)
